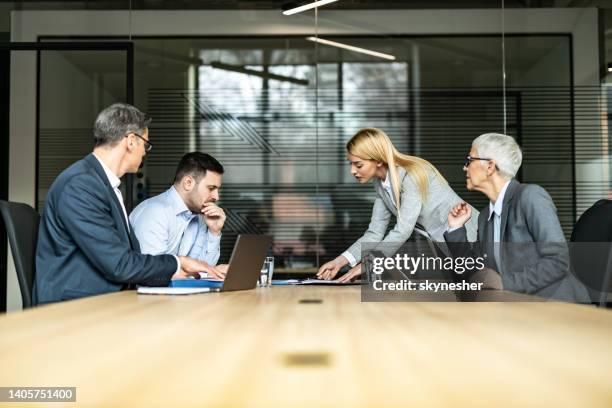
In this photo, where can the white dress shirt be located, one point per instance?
(115, 182)
(386, 184)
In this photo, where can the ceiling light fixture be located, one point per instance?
(305, 7)
(351, 48)
(267, 75)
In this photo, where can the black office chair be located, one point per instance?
(21, 222)
(592, 261)
(434, 247)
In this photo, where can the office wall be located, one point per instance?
(22, 147)
(580, 23)
(5, 83)
(5, 17)
(73, 87)
(546, 123)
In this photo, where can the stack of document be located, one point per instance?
(182, 287)
(311, 282)
(192, 286)
(326, 282)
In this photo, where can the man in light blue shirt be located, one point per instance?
(185, 219)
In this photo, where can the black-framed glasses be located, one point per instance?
(469, 159)
(148, 145)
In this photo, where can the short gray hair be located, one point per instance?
(117, 120)
(501, 148)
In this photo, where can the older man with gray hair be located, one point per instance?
(86, 245)
(519, 234)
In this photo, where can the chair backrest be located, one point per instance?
(595, 224)
(591, 261)
(21, 222)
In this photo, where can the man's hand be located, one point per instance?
(193, 267)
(351, 274)
(182, 274)
(214, 217)
(459, 215)
(221, 269)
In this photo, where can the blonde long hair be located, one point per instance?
(374, 144)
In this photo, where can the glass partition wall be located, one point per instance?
(277, 110)
(74, 85)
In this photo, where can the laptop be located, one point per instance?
(244, 268)
(243, 272)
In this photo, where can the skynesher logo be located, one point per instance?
(427, 285)
(412, 265)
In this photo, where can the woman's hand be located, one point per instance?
(352, 274)
(459, 215)
(330, 269)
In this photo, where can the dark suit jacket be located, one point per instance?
(534, 253)
(84, 247)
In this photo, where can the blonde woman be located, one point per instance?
(408, 187)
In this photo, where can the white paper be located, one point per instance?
(146, 290)
(323, 282)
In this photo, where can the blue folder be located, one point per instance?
(195, 283)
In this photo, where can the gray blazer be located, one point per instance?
(432, 214)
(534, 253)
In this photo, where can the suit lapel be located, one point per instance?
(482, 224)
(486, 237)
(401, 173)
(91, 159)
(507, 204)
(382, 193)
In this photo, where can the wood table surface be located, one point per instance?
(297, 346)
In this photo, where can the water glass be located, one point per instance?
(267, 270)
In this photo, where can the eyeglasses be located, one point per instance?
(469, 159)
(148, 145)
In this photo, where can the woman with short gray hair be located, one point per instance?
(501, 148)
(519, 233)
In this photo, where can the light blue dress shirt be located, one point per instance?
(164, 225)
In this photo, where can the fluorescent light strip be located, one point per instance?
(351, 48)
(609, 69)
(268, 75)
(307, 7)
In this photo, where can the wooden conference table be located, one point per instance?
(310, 347)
